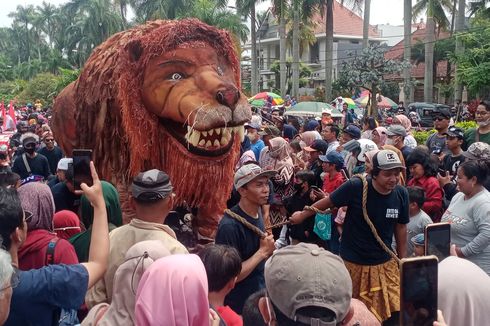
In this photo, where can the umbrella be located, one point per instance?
(276, 99)
(258, 102)
(350, 102)
(384, 103)
(312, 109)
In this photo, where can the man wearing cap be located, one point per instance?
(308, 285)
(252, 129)
(52, 152)
(61, 170)
(152, 200)
(374, 273)
(239, 228)
(317, 148)
(437, 141)
(267, 133)
(30, 162)
(396, 137)
(454, 141)
(326, 117)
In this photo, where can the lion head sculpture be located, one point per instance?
(162, 95)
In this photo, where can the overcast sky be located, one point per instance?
(382, 11)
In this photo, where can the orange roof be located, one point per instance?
(345, 22)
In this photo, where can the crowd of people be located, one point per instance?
(320, 214)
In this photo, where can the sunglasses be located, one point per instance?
(49, 140)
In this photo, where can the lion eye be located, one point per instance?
(176, 76)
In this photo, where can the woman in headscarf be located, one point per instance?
(66, 224)
(368, 125)
(379, 136)
(81, 241)
(246, 153)
(173, 292)
(277, 158)
(308, 137)
(36, 198)
(463, 292)
(128, 275)
(407, 124)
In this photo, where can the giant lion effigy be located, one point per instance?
(162, 95)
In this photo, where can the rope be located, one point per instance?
(278, 224)
(365, 215)
(246, 223)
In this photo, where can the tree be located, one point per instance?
(367, 70)
(159, 9)
(280, 8)
(407, 49)
(304, 73)
(48, 14)
(23, 15)
(357, 6)
(435, 16)
(327, 10)
(459, 27)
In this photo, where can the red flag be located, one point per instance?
(3, 116)
(12, 112)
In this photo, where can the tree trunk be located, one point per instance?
(122, 8)
(329, 50)
(295, 64)
(429, 55)
(459, 26)
(282, 53)
(253, 35)
(365, 26)
(407, 49)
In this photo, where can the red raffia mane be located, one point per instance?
(126, 138)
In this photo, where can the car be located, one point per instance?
(427, 112)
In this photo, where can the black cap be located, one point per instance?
(455, 132)
(318, 145)
(444, 113)
(151, 185)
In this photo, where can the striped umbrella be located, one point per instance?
(384, 103)
(276, 99)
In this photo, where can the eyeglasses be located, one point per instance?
(14, 280)
(49, 140)
(27, 216)
(481, 112)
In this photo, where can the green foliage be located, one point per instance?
(474, 63)
(66, 77)
(465, 125)
(42, 87)
(422, 135)
(304, 73)
(9, 89)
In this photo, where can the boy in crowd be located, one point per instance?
(418, 243)
(418, 218)
(454, 142)
(223, 265)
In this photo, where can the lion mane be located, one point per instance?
(103, 110)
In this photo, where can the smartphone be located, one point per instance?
(418, 291)
(81, 167)
(438, 240)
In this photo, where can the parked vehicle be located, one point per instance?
(426, 111)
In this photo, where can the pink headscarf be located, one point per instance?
(36, 197)
(173, 292)
(66, 224)
(382, 135)
(405, 122)
(309, 136)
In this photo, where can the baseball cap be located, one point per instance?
(455, 132)
(253, 125)
(396, 130)
(151, 185)
(327, 111)
(270, 130)
(366, 146)
(478, 151)
(248, 172)
(306, 275)
(318, 145)
(29, 138)
(63, 163)
(387, 160)
(418, 239)
(444, 113)
(353, 130)
(333, 157)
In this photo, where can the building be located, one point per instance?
(347, 37)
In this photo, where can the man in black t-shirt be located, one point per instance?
(30, 162)
(253, 185)
(52, 152)
(454, 142)
(364, 257)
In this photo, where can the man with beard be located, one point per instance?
(31, 163)
(373, 268)
(437, 141)
(482, 133)
(52, 152)
(240, 228)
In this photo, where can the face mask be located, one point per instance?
(483, 124)
(29, 150)
(298, 186)
(390, 141)
(251, 137)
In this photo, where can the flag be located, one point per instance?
(3, 116)
(12, 112)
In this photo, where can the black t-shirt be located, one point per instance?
(296, 203)
(64, 199)
(318, 170)
(358, 244)
(405, 152)
(38, 164)
(53, 157)
(451, 163)
(235, 234)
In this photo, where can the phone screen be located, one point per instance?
(81, 167)
(419, 291)
(438, 240)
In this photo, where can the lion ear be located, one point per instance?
(135, 50)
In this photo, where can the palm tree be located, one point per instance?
(24, 15)
(435, 16)
(459, 27)
(327, 9)
(47, 14)
(159, 9)
(122, 4)
(357, 6)
(280, 8)
(407, 49)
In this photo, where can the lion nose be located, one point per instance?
(228, 96)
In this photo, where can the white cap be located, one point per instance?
(63, 163)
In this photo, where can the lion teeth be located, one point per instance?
(195, 136)
(202, 142)
(211, 132)
(216, 143)
(205, 133)
(208, 143)
(218, 131)
(241, 132)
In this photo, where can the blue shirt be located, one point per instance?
(257, 147)
(42, 292)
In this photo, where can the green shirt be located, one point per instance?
(469, 137)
